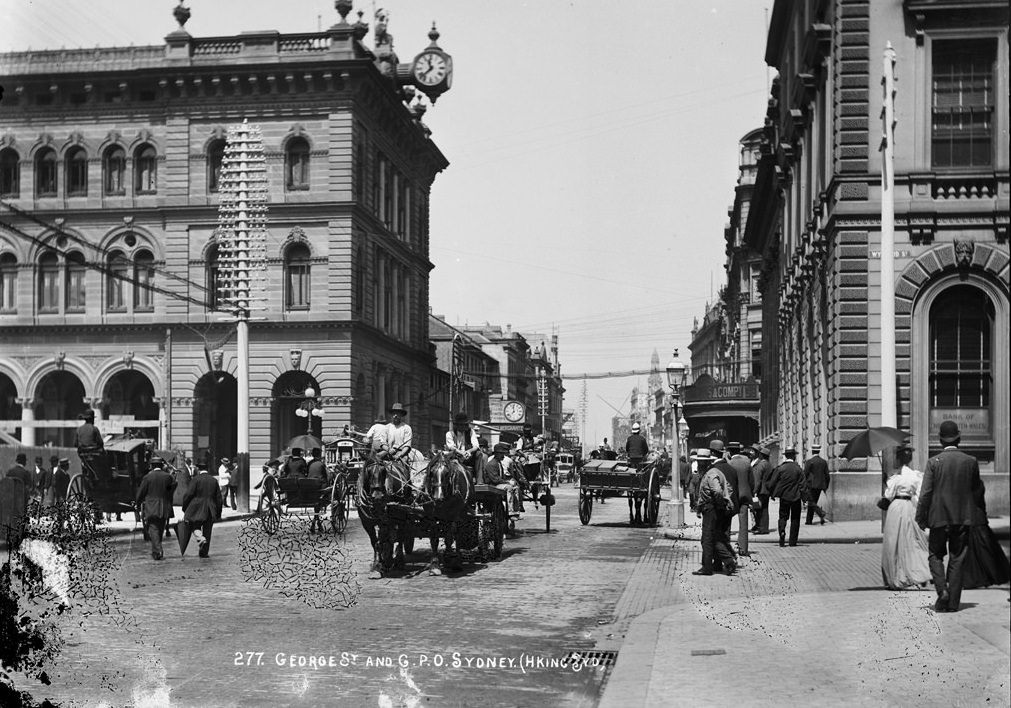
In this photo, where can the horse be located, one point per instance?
(451, 490)
(379, 483)
(639, 495)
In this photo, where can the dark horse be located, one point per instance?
(451, 490)
(379, 484)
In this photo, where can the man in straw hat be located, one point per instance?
(952, 501)
(636, 446)
(399, 436)
(788, 485)
(816, 475)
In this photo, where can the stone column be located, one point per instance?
(27, 417)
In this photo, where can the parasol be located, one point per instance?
(305, 442)
(872, 441)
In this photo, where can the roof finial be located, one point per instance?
(182, 14)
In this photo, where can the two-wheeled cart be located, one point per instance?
(639, 483)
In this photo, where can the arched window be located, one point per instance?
(145, 163)
(213, 281)
(8, 282)
(117, 277)
(114, 170)
(143, 279)
(77, 172)
(10, 173)
(215, 156)
(296, 164)
(961, 375)
(297, 277)
(45, 173)
(49, 282)
(76, 272)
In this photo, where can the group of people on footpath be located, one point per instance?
(730, 481)
(48, 485)
(937, 513)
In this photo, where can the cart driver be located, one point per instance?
(526, 442)
(90, 445)
(463, 440)
(398, 436)
(496, 474)
(636, 447)
(375, 438)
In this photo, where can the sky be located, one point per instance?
(593, 150)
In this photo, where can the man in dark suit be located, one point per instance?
(787, 484)
(155, 499)
(762, 470)
(20, 472)
(717, 450)
(744, 484)
(202, 507)
(816, 475)
(952, 501)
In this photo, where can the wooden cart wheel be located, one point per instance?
(339, 506)
(270, 511)
(585, 506)
(653, 498)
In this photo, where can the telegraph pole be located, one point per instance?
(888, 414)
(242, 242)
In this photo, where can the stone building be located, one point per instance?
(110, 164)
(816, 220)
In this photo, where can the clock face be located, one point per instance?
(431, 68)
(514, 411)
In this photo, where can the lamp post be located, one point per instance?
(308, 409)
(675, 380)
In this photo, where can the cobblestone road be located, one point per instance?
(198, 632)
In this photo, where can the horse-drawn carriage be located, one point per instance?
(533, 473)
(109, 478)
(640, 483)
(310, 497)
(434, 499)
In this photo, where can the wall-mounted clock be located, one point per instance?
(514, 411)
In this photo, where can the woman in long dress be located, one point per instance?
(904, 544)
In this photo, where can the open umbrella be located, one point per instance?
(305, 442)
(872, 441)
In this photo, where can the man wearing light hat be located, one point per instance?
(716, 549)
(816, 475)
(399, 437)
(636, 447)
(495, 475)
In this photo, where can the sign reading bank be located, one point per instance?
(973, 423)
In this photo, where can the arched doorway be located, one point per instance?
(128, 405)
(215, 418)
(289, 393)
(10, 409)
(59, 397)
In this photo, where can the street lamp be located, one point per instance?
(676, 373)
(308, 409)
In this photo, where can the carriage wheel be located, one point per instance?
(585, 506)
(77, 503)
(270, 511)
(653, 499)
(339, 506)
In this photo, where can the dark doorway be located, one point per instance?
(10, 409)
(59, 397)
(129, 398)
(215, 418)
(289, 395)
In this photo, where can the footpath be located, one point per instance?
(801, 625)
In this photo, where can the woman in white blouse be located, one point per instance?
(904, 544)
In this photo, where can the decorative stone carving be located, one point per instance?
(963, 253)
(296, 359)
(217, 359)
(128, 359)
(60, 358)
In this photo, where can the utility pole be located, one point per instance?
(242, 246)
(888, 414)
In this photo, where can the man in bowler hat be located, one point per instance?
(952, 501)
(155, 499)
(787, 484)
(202, 507)
(762, 470)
